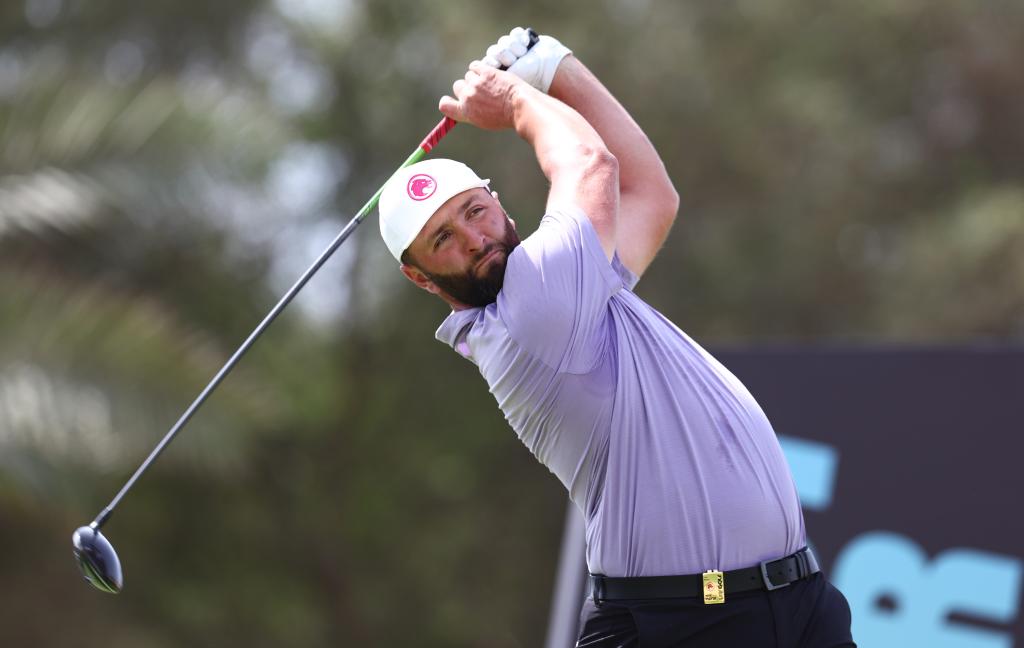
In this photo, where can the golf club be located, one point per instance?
(95, 555)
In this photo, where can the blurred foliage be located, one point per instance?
(849, 172)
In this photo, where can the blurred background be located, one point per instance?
(850, 173)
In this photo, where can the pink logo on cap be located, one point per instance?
(421, 186)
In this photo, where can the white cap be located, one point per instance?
(414, 193)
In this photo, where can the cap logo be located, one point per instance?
(421, 186)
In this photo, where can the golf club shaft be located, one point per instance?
(430, 141)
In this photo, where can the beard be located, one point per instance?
(478, 290)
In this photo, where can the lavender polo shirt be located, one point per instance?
(674, 465)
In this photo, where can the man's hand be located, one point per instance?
(485, 97)
(536, 66)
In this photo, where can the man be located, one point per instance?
(676, 469)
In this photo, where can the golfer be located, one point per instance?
(695, 535)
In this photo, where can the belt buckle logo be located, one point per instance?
(714, 587)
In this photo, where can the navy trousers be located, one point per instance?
(809, 613)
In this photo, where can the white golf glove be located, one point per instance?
(536, 66)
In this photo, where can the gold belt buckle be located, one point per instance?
(714, 587)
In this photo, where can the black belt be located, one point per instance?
(767, 575)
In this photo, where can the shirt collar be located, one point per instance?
(455, 328)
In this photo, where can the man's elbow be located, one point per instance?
(656, 193)
(671, 199)
(582, 162)
(662, 204)
(600, 164)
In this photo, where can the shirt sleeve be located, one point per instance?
(554, 300)
(629, 279)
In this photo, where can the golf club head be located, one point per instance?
(97, 560)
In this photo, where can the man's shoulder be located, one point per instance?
(559, 230)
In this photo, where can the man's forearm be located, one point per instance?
(640, 166)
(573, 157)
(557, 132)
(648, 201)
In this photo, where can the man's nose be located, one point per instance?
(473, 241)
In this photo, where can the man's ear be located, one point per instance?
(415, 275)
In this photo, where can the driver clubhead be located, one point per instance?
(97, 560)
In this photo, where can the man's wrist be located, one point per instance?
(518, 103)
(551, 53)
(566, 77)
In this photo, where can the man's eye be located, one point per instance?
(476, 211)
(440, 239)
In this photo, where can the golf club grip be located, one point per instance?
(447, 124)
(435, 135)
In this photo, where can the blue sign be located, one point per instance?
(898, 596)
(908, 467)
